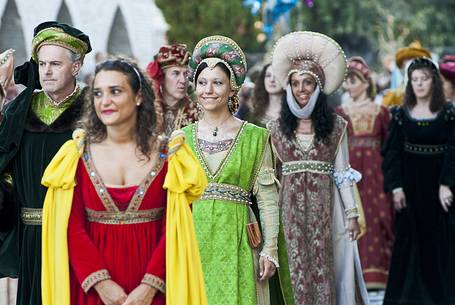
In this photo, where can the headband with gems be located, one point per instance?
(219, 49)
(139, 78)
(425, 62)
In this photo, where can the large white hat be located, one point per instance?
(311, 53)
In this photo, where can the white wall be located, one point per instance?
(144, 21)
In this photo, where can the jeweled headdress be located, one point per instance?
(168, 56)
(220, 49)
(309, 53)
(358, 65)
(60, 34)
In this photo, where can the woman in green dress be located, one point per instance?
(237, 160)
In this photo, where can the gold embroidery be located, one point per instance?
(365, 142)
(95, 278)
(362, 119)
(154, 281)
(46, 109)
(312, 166)
(210, 175)
(101, 189)
(126, 217)
(31, 216)
(224, 191)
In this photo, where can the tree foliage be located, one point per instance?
(371, 28)
(191, 20)
(385, 24)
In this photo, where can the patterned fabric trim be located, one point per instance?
(95, 278)
(351, 213)
(47, 110)
(154, 281)
(215, 147)
(104, 195)
(124, 217)
(364, 142)
(346, 177)
(210, 175)
(424, 149)
(258, 167)
(224, 191)
(32, 217)
(318, 167)
(270, 259)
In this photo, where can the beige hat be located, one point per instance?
(6, 69)
(311, 53)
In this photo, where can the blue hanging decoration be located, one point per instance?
(272, 10)
(253, 5)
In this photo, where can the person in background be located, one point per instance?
(447, 69)
(267, 96)
(367, 130)
(8, 286)
(318, 256)
(419, 170)
(33, 128)
(403, 57)
(169, 73)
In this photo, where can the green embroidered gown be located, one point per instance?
(31, 132)
(244, 166)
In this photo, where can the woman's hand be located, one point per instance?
(141, 295)
(399, 199)
(110, 292)
(445, 197)
(353, 228)
(266, 268)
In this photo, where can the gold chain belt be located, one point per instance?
(124, 217)
(32, 216)
(424, 149)
(318, 167)
(367, 142)
(224, 191)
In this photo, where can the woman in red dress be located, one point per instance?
(367, 127)
(116, 230)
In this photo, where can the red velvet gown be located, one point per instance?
(367, 130)
(116, 233)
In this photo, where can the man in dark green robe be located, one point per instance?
(34, 126)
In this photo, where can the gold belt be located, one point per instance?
(224, 191)
(124, 217)
(424, 149)
(318, 167)
(32, 216)
(367, 142)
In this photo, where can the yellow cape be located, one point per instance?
(185, 182)
(59, 178)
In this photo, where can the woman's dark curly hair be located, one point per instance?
(146, 116)
(437, 93)
(322, 119)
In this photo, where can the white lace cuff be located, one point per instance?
(346, 177)
(270, 258)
